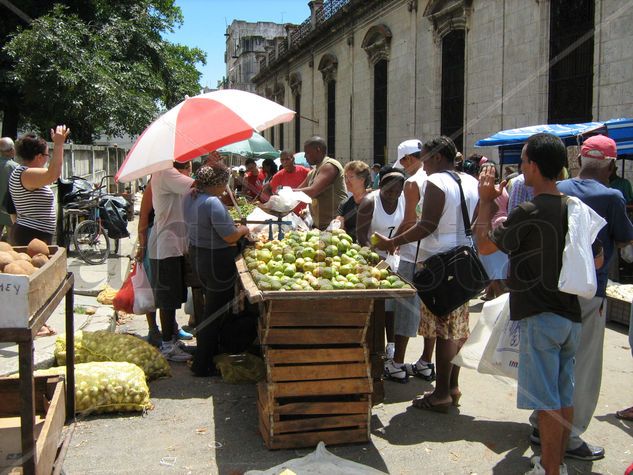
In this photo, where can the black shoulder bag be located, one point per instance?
(450, 279)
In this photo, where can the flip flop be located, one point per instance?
(425, 404)
(46, 331)
(625, 414)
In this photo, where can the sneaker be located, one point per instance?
(585, 452)
(537, 468)
(390, 351)
(172, 352)
(421, 369)
(155, 338)
(395, 373)
(183, 335)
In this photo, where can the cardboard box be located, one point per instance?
(21, 296)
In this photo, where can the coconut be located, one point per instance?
(39, 260)
(5, 259)
(36, 246)
(5, 247)
(23, 256)
(16, 269)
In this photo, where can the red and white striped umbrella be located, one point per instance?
(199, 125)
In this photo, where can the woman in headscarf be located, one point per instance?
(213, 240)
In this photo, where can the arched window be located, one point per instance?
(376, 44)
(571, 45)
(452, 97)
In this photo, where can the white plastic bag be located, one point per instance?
(334, 224)
(470, 354)
(143, 293)
(394, 261)
(321, 461)
(626, 253)
(578, 272)
(501, 355)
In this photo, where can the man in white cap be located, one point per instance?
(591, 186)
(407, 311)
(7, 165)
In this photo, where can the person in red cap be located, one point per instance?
(591, 186)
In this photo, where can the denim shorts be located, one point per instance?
(407, 310)
(548, 344)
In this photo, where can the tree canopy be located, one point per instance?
(98, 66)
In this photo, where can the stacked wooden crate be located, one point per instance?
(318, 385)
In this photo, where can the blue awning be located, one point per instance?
(510, 142)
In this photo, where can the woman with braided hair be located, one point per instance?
(212, 249)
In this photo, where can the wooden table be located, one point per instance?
(24, 337)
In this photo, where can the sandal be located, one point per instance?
(625, 414)
(394, 373)
(426, 403)
(455, 397)
(46, 331)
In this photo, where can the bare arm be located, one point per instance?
(143, 220)
(326, 176)
(233, 238)
(36, 177)
(411, 200)
(432, 208)
(488, 193)
(363, 220)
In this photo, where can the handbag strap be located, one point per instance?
(467, 229)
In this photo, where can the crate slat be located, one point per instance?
(312, 336)
(311, 439)
(312, 319)
(321, 388)
(275, 356)
(320, 423)
(324, 305)
(316, 408)
(318, 372)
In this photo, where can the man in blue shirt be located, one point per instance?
(597, 160)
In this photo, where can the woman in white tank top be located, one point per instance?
(382, 211)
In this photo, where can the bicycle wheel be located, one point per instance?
(91, 242)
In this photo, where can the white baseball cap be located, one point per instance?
(408, 147)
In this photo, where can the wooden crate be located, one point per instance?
(293, 422)
(618, 311)
(25, 295)
(50, 408)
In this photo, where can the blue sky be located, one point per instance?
(206, 21)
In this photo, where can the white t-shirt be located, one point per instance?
(169, 234)
(382, 222)
(450, 231)
(407, 251)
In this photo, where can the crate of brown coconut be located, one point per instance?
(28, 277)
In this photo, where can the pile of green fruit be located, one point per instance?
(245, 208)
(316, 260)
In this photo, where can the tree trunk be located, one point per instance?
(10, 119)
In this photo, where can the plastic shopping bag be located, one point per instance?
(124, 298)
(471, 352)
(143, 293)
(501, 355)
(578, 273)
(393, 260)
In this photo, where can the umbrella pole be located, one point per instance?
(239, 212)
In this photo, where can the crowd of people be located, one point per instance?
(408, 211)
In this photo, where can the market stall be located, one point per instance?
(34, 408)
(322, 336)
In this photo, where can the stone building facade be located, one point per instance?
(367, 74)
(246, 44)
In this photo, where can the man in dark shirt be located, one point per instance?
(597, 161)
(549, 320)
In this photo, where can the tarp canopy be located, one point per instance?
(511, 141)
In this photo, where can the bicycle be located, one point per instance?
(90, 237)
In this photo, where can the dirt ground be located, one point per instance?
(205, 426)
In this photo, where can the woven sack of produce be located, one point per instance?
(106, 346)
(107, 387)
(242, 368)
